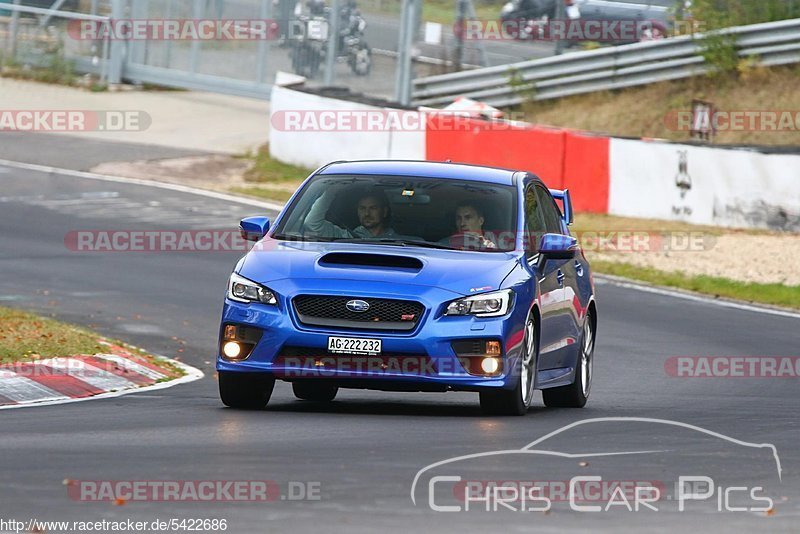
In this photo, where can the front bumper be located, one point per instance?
(420, 359)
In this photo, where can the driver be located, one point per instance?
(373, 217)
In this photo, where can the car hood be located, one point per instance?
(460, 272)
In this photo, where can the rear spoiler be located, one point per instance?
(566, 203)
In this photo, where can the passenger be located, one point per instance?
(469, 225)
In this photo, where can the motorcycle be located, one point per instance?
(310, 47)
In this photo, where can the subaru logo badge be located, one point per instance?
(358, 306)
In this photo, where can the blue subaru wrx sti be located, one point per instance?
(412, 276)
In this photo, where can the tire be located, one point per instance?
(576, 394)
(246, 391)
(314, 391)
(361, 61)
(306, 61)
(516, 401)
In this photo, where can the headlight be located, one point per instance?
(241, 289)
(492, 304)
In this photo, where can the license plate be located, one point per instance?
(354, 345)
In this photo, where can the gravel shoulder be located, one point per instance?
(758, 259)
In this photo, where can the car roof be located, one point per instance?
(423, 169)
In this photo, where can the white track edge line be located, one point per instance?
(192, 374)
(628, 283)
(138, 181)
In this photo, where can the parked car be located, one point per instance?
(654, 18)
(412, 276)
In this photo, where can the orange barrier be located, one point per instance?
(586, 171)
(561, 158)
(480, 142)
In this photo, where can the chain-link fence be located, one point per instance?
(35, 38)
(229, 46)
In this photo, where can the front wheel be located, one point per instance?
(576, 394)
(246, 391)
(516, 401)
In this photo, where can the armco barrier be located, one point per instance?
(608, 68)
(652, 179)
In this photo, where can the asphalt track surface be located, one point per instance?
(365, 449)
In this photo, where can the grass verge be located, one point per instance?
(271, 179)
(263, 193)
(649, 111)
(265, 169)
(772, 294)
(598, 222)
(25, 336)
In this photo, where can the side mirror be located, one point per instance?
(558, 247)
(254, 228)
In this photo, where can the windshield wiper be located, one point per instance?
(395, 241)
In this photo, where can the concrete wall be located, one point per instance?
(313, 148)
(704, 185)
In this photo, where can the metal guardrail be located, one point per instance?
(774, 43)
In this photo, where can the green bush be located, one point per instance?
(720, 50)
(715, 14)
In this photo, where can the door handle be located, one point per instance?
(560, 278)
(579, 268)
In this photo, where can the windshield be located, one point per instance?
(403, 211)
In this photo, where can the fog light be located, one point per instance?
(490, 365)
(231, 349)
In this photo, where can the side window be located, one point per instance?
(552, 217)
(534, 222)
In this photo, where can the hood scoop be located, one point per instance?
(377, 261)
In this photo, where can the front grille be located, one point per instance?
(383, 314)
